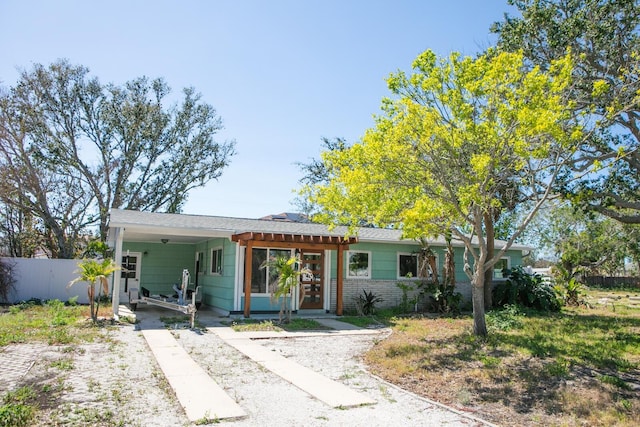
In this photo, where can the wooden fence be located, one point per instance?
(612, 281)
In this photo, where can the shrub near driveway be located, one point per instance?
(571, 368)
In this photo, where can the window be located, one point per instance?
(216, 261)
(408, 267)
(358, 264)
(129, 266)
(259, 275)
(500, 268)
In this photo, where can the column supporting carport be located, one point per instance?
(117, 256)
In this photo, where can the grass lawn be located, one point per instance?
(57, 325)
(51, 322)
(577, 367)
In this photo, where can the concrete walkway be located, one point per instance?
(200, 396)
(331, 392)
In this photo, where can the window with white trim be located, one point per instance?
(408, 266)
(216, 261)
(500, 268)
(259, 276)
(359, 264)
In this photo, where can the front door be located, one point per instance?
(129, 274)
(312, 284)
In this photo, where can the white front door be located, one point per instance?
(130, 274)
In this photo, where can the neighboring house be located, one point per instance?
(224, 256)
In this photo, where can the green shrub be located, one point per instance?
(527, 290)
(366, 303)
(506, 318)
(571, 292)
(408, 304)
(444, 298)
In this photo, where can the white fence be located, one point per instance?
(45, 279)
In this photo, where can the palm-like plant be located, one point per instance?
(95, 273)
(287, 274)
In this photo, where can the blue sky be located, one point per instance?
(281, 74)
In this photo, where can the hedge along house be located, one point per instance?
(224, 255)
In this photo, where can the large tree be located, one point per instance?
(604, 38)
(71, 148)
(583, 241)
(461, 140)
(315, 173)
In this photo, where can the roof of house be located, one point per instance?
(138, 224)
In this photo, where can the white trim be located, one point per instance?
(398, 277)
(135, 283)
(203, 265)
(209, 270)
(412, 254)
(369, 264)
(268, 249)
(239, 282)
(327, 280)
(115, 291)
(495, 271)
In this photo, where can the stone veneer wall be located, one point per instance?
(387, 289)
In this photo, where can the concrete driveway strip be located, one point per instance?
(331, 392)
(200, 396)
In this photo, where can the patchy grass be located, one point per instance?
(52, 322)
(304, 325)
(18, 407)
(181, 322)
(361, 321)
(253, 325)
(578, 367)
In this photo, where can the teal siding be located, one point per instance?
(262, 303)
(384, 259)
(162, 264)
(218, 289)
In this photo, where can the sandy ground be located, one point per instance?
(117, 381)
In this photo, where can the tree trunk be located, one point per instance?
(488, 275)
(434, 269)
(449, 267)
(477, 296)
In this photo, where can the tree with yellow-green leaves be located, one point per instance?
(461, 141)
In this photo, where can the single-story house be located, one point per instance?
(223, 256)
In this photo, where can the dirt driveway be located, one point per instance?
(117, 381)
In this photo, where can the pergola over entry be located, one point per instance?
(252, 239)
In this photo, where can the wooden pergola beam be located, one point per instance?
(315, 239)
(252, 239)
